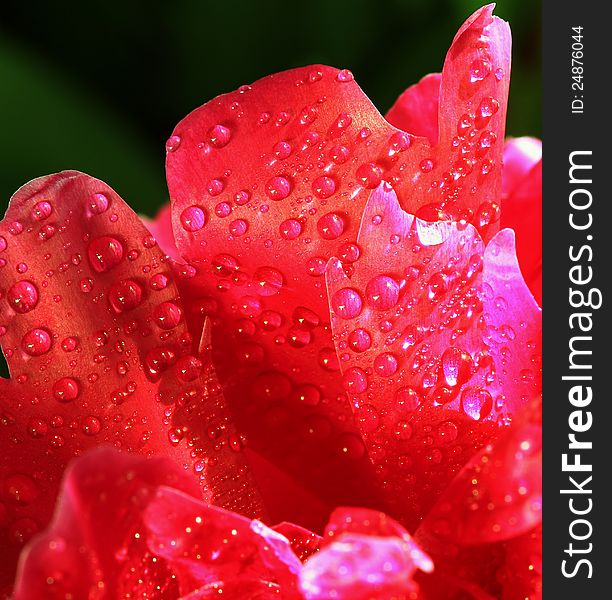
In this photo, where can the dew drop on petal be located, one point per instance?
(22, 296)
(36, 342)
(193, 218)
(347, 303)
(331, 226)
(360, 340)
(66, 389)
(125, 295)
(382, 292)
(290, 229)
(370, 175)
(167, 315)
(278, 188)
(104, 253)
(268, 281)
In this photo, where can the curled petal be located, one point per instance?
(99, 353)
(356, 566)
(303, 542)
(93, 548)
(498, 495)
(425, 354)
(206, 545)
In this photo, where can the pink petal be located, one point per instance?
(522, 212)
(361, 567)
(520, 156)
(425, 355)
(99, 353)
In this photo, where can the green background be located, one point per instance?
(100, 88)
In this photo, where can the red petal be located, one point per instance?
(416, 110)
(498, 494)
(522, 212)
(266, 184)
(161, 228)
(480, 532)
(92, 546)
(238, 590)
(88, 302)
(204, 544)
(425, 364)
(522, 574)
(303, 542)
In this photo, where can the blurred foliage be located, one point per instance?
(99, 86)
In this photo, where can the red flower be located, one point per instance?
(374, 340)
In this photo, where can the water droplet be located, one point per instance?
(360, 340)
(125, 295)
(66, 389)
(219, 136)
(339, 154)
(188, 368)
(382, 292)
(308, 395)
(426, 165)
(22, 296)
(242, 197)
(479, 70)
(174, 141)
(355, 380)
(158, 282)
(290, 229)
(476, 402)
(36, 342)
(271, 386)
(456, 366)
(91, 425)
(385, 364)
(278, 188)
(331, 226)
(193, 218)
(69, 344)
(370, 175)
(351, 446)
(407, 399)
(20, 489)
(323, 186)
(37, 428)
(328, 359)
(98, 203)
(223, 209)
(344, 75)
(238, 227)
(42, 210)
(167, 315)
(282, 150)
(268, 281)
(104, 253)
(347, 303)
(306, 318)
